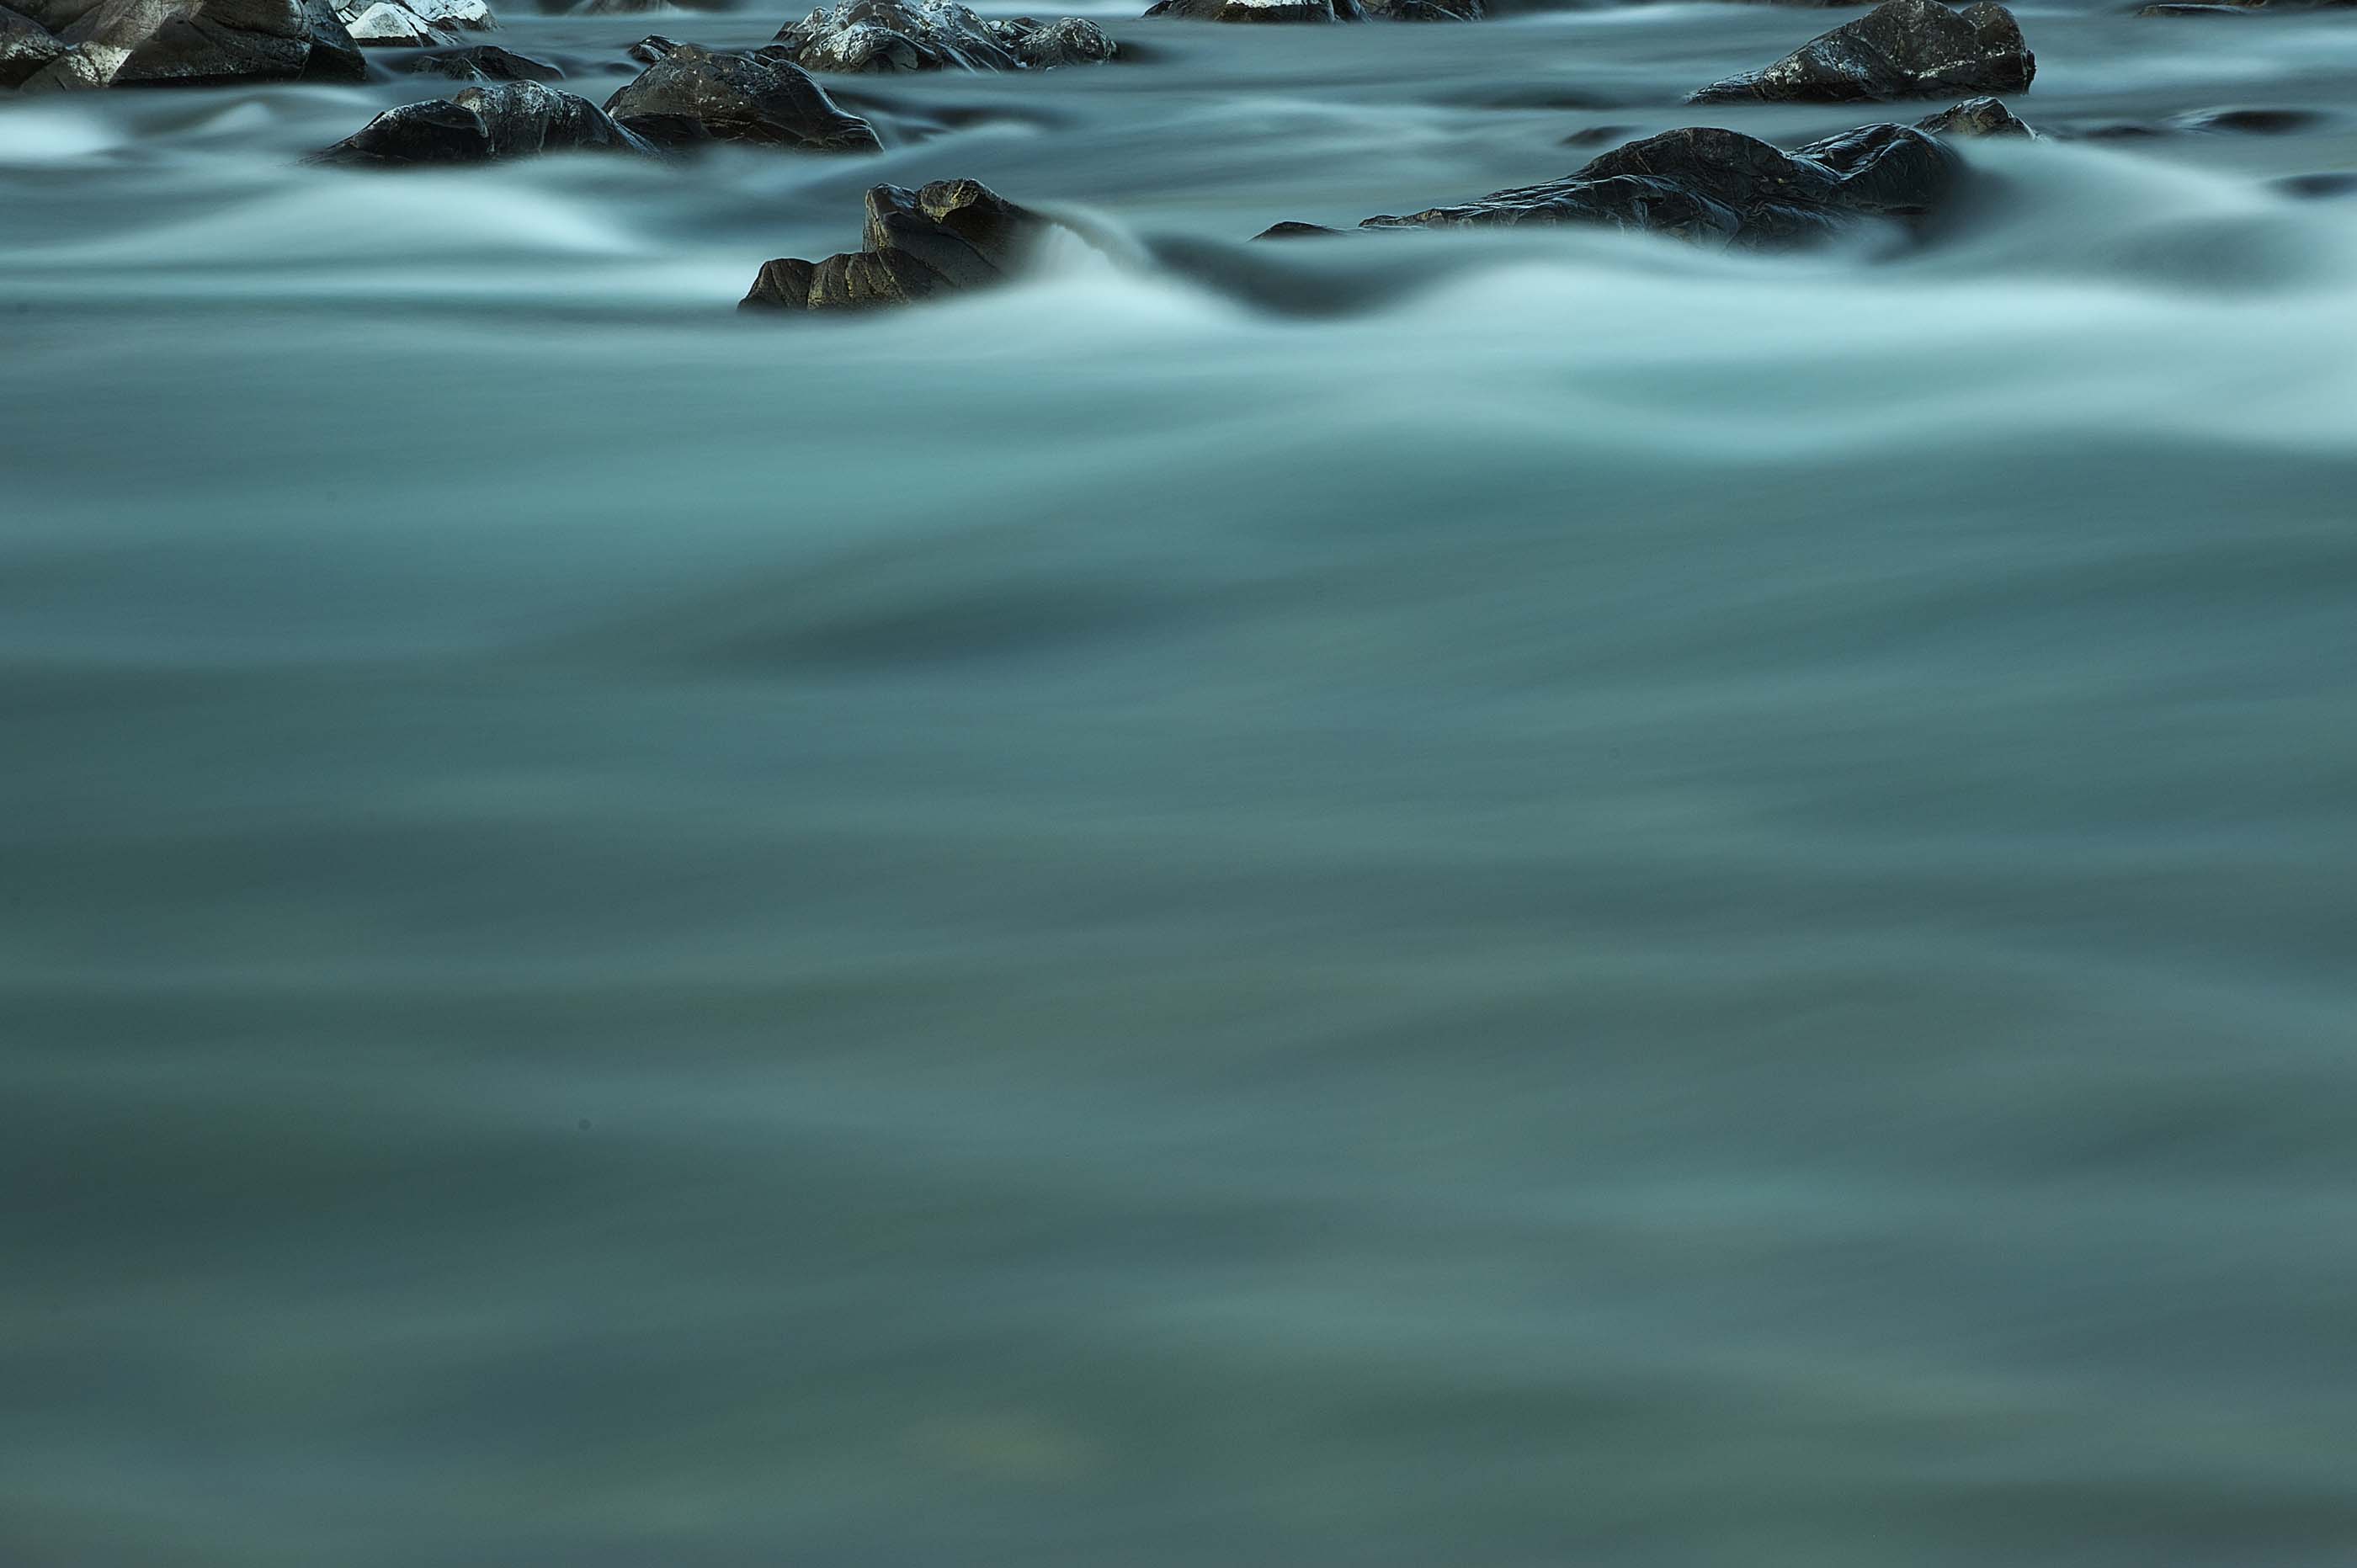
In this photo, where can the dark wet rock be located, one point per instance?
(2319, 187)
(1426, 10)
(650, 49)
(1068, 41)
(497, 120)
(1901, 48)
(153, 43)
(1289, 230)
(877, 35)
(2238, 7)
(483, 62)
(1721, 186)
(1594, 136)
(1259, 11)
(1975, 117)
(2249, 122)
(693, 95)
(950, 236)
(25, 46)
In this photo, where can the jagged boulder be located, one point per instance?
(650, 49)
(413, 24)
(497, 120)
(154, 43)
(947, 237)
(25, 46)
(875, 36)
(1901, 48)
(483, 62)
(1721, 187)
(693, 94)
(1975, 117)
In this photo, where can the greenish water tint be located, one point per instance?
(1612, 906)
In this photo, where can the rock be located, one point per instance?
(410, 24)
(499, 120)
(2249, 122)
(389, 25)
(25, 46)
(1721, 186)
(483, 62)
(650, 49)
(1289, 230)
(1426, 10)
(950, 236)
(693, 95)
(1068, 41)
(624, 9)
(2319, 187)
(1975, 117)
(1262, 11)
(934, 34)
(1901, 48)
(153, 43)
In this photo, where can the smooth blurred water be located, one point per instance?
(1503, 900)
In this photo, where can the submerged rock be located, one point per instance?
(2249, 122)
(693, 94)
(1259, 10)
(152, 43)
(1975, 117)
(1721, 186)
(483, 62)
(873, 35)
(497, 120)
(1901, 48)
(947, 237)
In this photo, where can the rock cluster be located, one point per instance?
(688, 96)
(1901, 48)
(1719, 187)
(64, 45)
(1281, 11)
(949, 236)
(875, 36)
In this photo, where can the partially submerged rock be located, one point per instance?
(65, 45)
(483, 62)
(497, 120)
(650, 49)
(875, 36)
(1901, 48)
(1259, 11)
(1975, 117)
(947, 237)
(693, 94)
(1721, 186)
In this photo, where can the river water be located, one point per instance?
(1509, 900)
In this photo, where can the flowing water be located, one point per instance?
(1498, 899)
